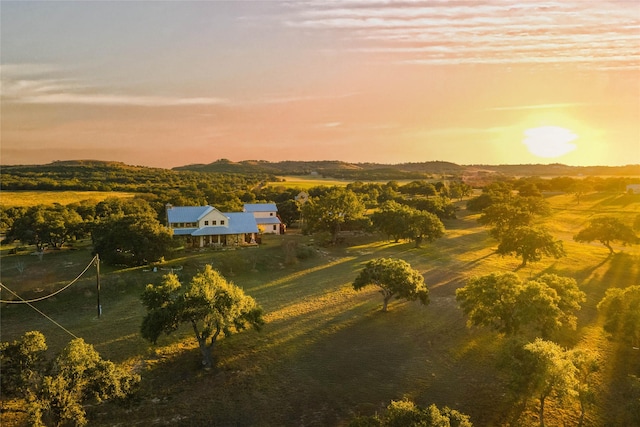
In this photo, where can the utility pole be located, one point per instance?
(97, 258)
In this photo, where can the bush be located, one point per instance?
(305, 252)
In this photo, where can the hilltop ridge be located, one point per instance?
(414, 170)
(337, 169)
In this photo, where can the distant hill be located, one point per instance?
(338, 169)
(96, 175)
(104, 174)
(330, 168)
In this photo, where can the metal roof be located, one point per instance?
(269, 220)
(187, 213)
(183, 231)
(239, 223)
(260, 207)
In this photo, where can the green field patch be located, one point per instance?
(304, 183)
(34, 198)
(307, 182)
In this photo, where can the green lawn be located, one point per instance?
(327, 352)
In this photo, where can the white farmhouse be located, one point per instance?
(633, 188)
(266, 215)
(204, 226)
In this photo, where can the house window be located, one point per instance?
(270, 213)
(206, 223)
(222, 222)
(274, 228)
(214, 222)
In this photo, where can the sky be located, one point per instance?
(171, 83)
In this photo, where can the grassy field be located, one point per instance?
(306, 182)
(33, 198)
(327, 352)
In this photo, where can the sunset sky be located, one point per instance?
(177, 82)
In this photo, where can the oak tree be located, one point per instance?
(425, 226)
(46, 226)
(212, 306)
(550, 373)
(606, 230)
(587, 364)
(506, 304)
(392, 219)
(329, 211)
(530, 244)
(129, 233)
(395, 278)
(621, 309)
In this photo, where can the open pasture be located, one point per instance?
(33, 198)
(327, 352)
(309, 181)
(306, 182)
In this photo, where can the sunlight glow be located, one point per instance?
(549, 141)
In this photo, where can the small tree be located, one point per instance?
(621, 309)
(587, 364)
(459, 189)
(392, 219)
(579, 188)
(402, 222)
(331, 210)
(530, 243)
(425, 226)
(504, 217)
(405, 413)
(606, 230)
(492, 301)
(57, 392)
(395, 278)
(550, 372)
(23, 362)
(210, 303)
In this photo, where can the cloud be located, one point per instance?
(116, 100)
(287, 99)
(29, 84)
(538, 106)
(42, 84)
(332, 124)
(601, 34)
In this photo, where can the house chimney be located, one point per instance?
(168, 207)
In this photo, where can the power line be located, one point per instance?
(50, 295)
(49, 318)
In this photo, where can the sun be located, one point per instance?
(549, 141)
